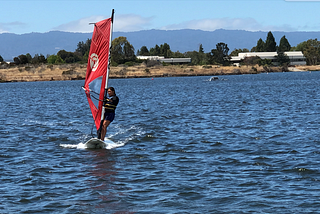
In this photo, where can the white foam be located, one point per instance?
(109, 145)
(113, 145)
(130, 133)
(69, 145)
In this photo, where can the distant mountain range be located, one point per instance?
(12, 45)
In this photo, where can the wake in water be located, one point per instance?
(133, 132)
(109, 145)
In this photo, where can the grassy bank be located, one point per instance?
(78, 71)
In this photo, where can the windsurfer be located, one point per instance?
(110, 106)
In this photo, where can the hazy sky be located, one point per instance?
(26, 16)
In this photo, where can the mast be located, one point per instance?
(110, 42)
(98, 68)
(107, 75)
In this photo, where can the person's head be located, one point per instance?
(111, 91)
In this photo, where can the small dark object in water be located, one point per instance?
(213, 78)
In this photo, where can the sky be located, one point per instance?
(25, 16)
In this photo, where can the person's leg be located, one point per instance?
(105, 125)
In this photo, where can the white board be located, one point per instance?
(95, 143)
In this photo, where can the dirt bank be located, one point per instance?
(78, 71)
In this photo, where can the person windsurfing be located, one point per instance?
(110, 105)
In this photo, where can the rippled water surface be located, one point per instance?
(242, 144)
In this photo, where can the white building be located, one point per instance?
(166, 60)
(175, 60)
(296, 57)
(150, 57)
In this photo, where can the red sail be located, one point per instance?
(97, 69)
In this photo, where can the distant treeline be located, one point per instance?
(123, 52)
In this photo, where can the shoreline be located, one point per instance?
(44, 72)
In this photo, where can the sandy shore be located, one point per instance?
(78, 71)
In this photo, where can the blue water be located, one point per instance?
(242, 144)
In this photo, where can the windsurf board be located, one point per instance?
(95, 143)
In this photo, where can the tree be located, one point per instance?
(270, 45)
(197, 58)
(155, 51)
(84, 48)
(219, 55)
(72, 58)
(39, 59)
(222, 53)
(23, 59)
(51, 59)
(54, 59)
(300, 47)
(42, 59)
(143, 51)
(29, 57)
(129, 52)
(16, 60)
(68, 57)
(236, 52)
(253, 49)
(282, 59)
(194, 55)
(213, 56)
(260, 46)
(284, 45)
(35, 59)
(265, 62)
(165, 50)
(201, 49)
(177, 54)
(63, 54)
(312, 52)
(122, 51)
